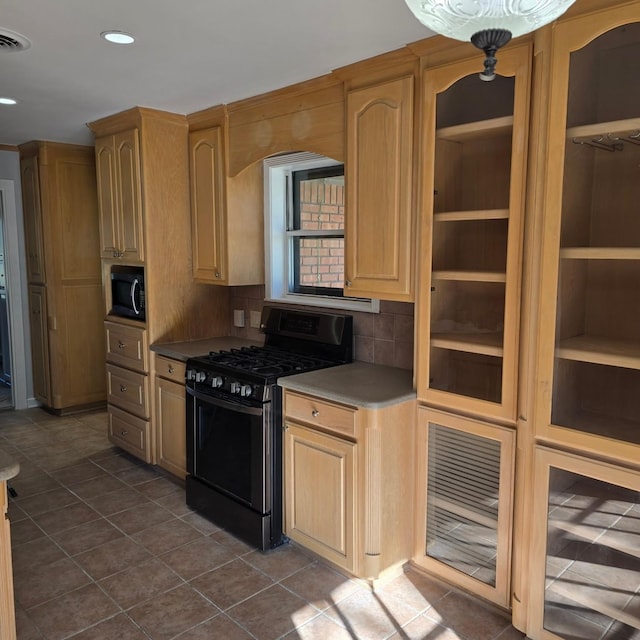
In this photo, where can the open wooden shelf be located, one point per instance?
(476, 130)
(600, 425)
(471, 276)
(601, 253)
(480, 214)
(489, 344)
(597, 350)
(587, 132)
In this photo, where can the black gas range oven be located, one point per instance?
(234, 419)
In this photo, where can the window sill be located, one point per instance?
(347, 304)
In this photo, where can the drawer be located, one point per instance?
(130, 433)
(320, 413)
(128, 390)
(170, 369)
(127, 346)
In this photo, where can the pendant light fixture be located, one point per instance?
(488, 24)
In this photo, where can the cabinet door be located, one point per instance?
(131, 239)
(107, 197)
(475, 144)
(464, 502)
(589, 353)
(208, 215)
(320, 493)
(32, 219)
(40, 344)
(171, 427)
(379, 226)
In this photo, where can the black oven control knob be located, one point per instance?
(245, 390)
(216, 382)
(201, 376)
(235, 387)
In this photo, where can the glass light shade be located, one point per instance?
(460, 19)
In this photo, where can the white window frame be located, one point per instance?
(278, 267)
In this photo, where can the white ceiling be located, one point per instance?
(187, 56)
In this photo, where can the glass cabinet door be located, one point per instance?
(474, 159)
(586, 572)
(592, 354)
(463, 528)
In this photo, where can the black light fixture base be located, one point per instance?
(490, 40)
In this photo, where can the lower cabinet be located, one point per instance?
(171, 444)
(128, 396)
(348, 482)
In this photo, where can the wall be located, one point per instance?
(10, 171)
(382, 338)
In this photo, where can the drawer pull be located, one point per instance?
(124, 432)
(315, 413)
(121, 345)
(123, 388)
(171, 369)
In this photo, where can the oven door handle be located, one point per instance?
(225, 404)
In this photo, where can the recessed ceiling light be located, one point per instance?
(8, 101)
(118, 37)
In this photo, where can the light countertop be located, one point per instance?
(358, 384)
(182, 351)
(9, 468)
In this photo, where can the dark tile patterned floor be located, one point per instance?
(105, 548)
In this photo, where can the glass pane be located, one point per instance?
(462, 501)
(319, 262)
(593, 559)
(318, 199)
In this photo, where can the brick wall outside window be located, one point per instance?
(321, 208)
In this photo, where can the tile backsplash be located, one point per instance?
(382, 338)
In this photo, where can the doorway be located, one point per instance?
(13, 363)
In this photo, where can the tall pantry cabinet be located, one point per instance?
(63, 273)
(143, 193)
(584, 567)
(474, 149)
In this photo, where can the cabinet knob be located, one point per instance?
(121, 345)
(171, 369)
(124, 432)
(315, 413)
(217, 274)
(347, 283)
(123, 388)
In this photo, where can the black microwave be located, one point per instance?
(127, 292)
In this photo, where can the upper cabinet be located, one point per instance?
(227, 225)
(474, 148)
(379, 231)
(589, 345)
(118, 170)
(33, 221)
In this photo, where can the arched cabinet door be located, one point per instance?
(589, 344)
(474, 150)
(379, 224)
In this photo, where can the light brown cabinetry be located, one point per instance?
(128, 393)
(170, 398)
(65, 286)
(118, 171)
(142, 157)
(226, 213)
(379, 229)
(7, 606)
(474, 149)
(344, 468)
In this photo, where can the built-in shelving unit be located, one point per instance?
(471, 252)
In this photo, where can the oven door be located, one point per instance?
(228, 448)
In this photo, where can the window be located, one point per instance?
(304, 232)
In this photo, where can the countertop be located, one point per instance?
(182, 351)
(358, 384)
(9, 468)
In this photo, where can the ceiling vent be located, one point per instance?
(12, 41)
